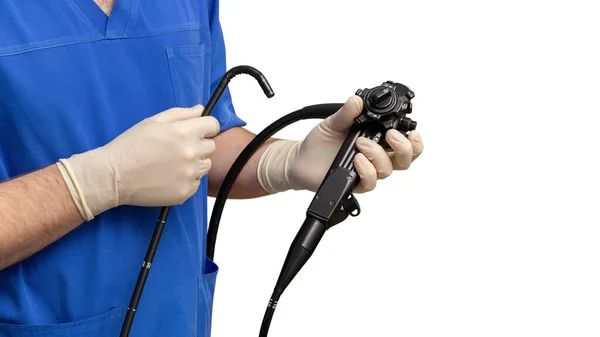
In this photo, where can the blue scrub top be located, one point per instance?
(72, 79)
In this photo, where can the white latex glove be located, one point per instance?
(302, 165)
(157, 162)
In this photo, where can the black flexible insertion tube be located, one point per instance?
(310, 112)
(266, 323)
(139, 287)
(300, 251)
(312, 230)
(319, 111)
(164, 213)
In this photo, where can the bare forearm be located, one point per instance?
(229, 145)
(35, 210)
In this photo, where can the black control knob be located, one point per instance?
(406, 125)
(381, 99)
(386, 107)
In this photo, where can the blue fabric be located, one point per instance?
(72, 79)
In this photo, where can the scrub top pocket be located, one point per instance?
(104, 325)
(191, 84)
(206, 292)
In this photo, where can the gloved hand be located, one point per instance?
(302, 165)
(157, 162)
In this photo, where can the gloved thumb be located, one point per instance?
(178, 114)
(343, 119)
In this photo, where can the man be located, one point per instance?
(99, 126)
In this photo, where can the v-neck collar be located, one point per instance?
(113, 26)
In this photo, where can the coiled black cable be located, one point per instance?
(319, 111)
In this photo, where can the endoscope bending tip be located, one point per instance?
(260, 78)
(229, 75)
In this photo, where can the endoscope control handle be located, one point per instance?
(333, 201)
(385, 107)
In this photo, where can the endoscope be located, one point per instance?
(385, 108)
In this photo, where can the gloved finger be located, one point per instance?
(342, 120)
(204, 127)
(402, 154)
(367, 173)
(207, 148)
(178, 114)
(376, 155)
(202, 168)
(191, 190)
(417, 144)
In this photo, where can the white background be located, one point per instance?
(494, 231)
